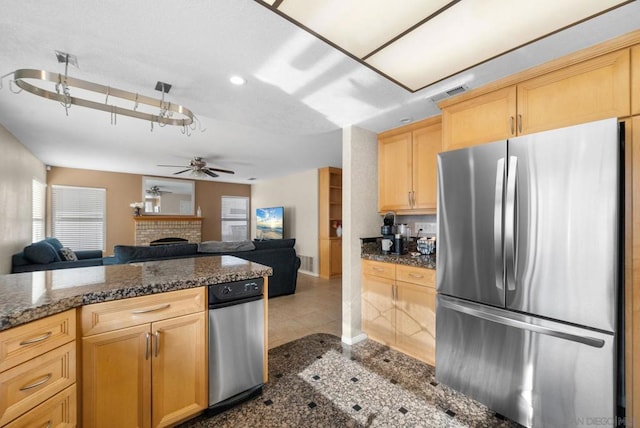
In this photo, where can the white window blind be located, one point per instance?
(38, 198)
(78, 217)
(235, 218)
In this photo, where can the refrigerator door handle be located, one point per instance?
(491, 314)
(497, 224)
(510, 224)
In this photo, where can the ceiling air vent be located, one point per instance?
(448, 93)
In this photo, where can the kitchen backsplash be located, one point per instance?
(415, 222)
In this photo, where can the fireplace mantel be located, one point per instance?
(166, 218)
(152, 227)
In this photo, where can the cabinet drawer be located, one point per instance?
(381, 269)
(57, 412)
(108, 316)
(31, 383)
(22, 343)
(416, 275)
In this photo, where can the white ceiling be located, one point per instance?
(300, 91)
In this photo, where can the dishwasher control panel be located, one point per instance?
(237, 290)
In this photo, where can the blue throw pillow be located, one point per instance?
(54, 242)
(41, 252)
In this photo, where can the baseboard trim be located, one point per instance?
(306, 272)
(354, 340)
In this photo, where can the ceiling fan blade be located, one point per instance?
(180, 172)
(209, 173)
(174, 166)
(226, 171)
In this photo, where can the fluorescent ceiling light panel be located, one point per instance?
(452, 36)
(359, 26)
(472, 32)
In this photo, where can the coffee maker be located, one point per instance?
(388, 233)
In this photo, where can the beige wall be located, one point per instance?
(123, 189)
(298, 194)
(18, 167)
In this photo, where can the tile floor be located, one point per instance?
(315, 307)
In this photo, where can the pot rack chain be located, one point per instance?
(189, 121)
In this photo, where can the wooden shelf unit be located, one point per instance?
(329, 218)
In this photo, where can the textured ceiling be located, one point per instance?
(300, 91)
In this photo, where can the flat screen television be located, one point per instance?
(270, 223)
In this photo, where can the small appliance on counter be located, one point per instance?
(401, 239)
(387, 231)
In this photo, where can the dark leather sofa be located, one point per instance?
(279, 254)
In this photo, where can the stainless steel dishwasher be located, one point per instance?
(236, 343)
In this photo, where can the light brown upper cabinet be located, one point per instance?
(635, 80)
(587, 91)
(407, 167)
(479, 120)
(577, 93)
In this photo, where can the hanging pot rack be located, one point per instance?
(64, 83)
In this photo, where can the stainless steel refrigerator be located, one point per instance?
(529, 274)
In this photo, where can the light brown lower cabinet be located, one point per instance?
(58, 411)
(398, 307)
(38, 373)
(148, 375)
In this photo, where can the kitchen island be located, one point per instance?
(137, 333)
(26, 297)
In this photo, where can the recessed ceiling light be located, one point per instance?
(237, 80)
(406, 120)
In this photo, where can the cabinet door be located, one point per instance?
(394, 172)
(587, 91)
(336, 257)
(378, 310)
(179, 384)
(635, 80)
(416, 321)
(116, 371)
(483, 119)
(426, 144)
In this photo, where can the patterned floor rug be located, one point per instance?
(316, 381)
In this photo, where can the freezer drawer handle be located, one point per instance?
(510, 322)
(157, 308)
(497, 224)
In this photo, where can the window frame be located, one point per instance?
(235, 219)
(75, 240)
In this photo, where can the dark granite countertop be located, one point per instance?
(26, 297)
(370, 250)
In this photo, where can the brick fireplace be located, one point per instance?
(151, 228)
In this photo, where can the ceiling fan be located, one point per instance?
(156, 191)
(198, 166)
